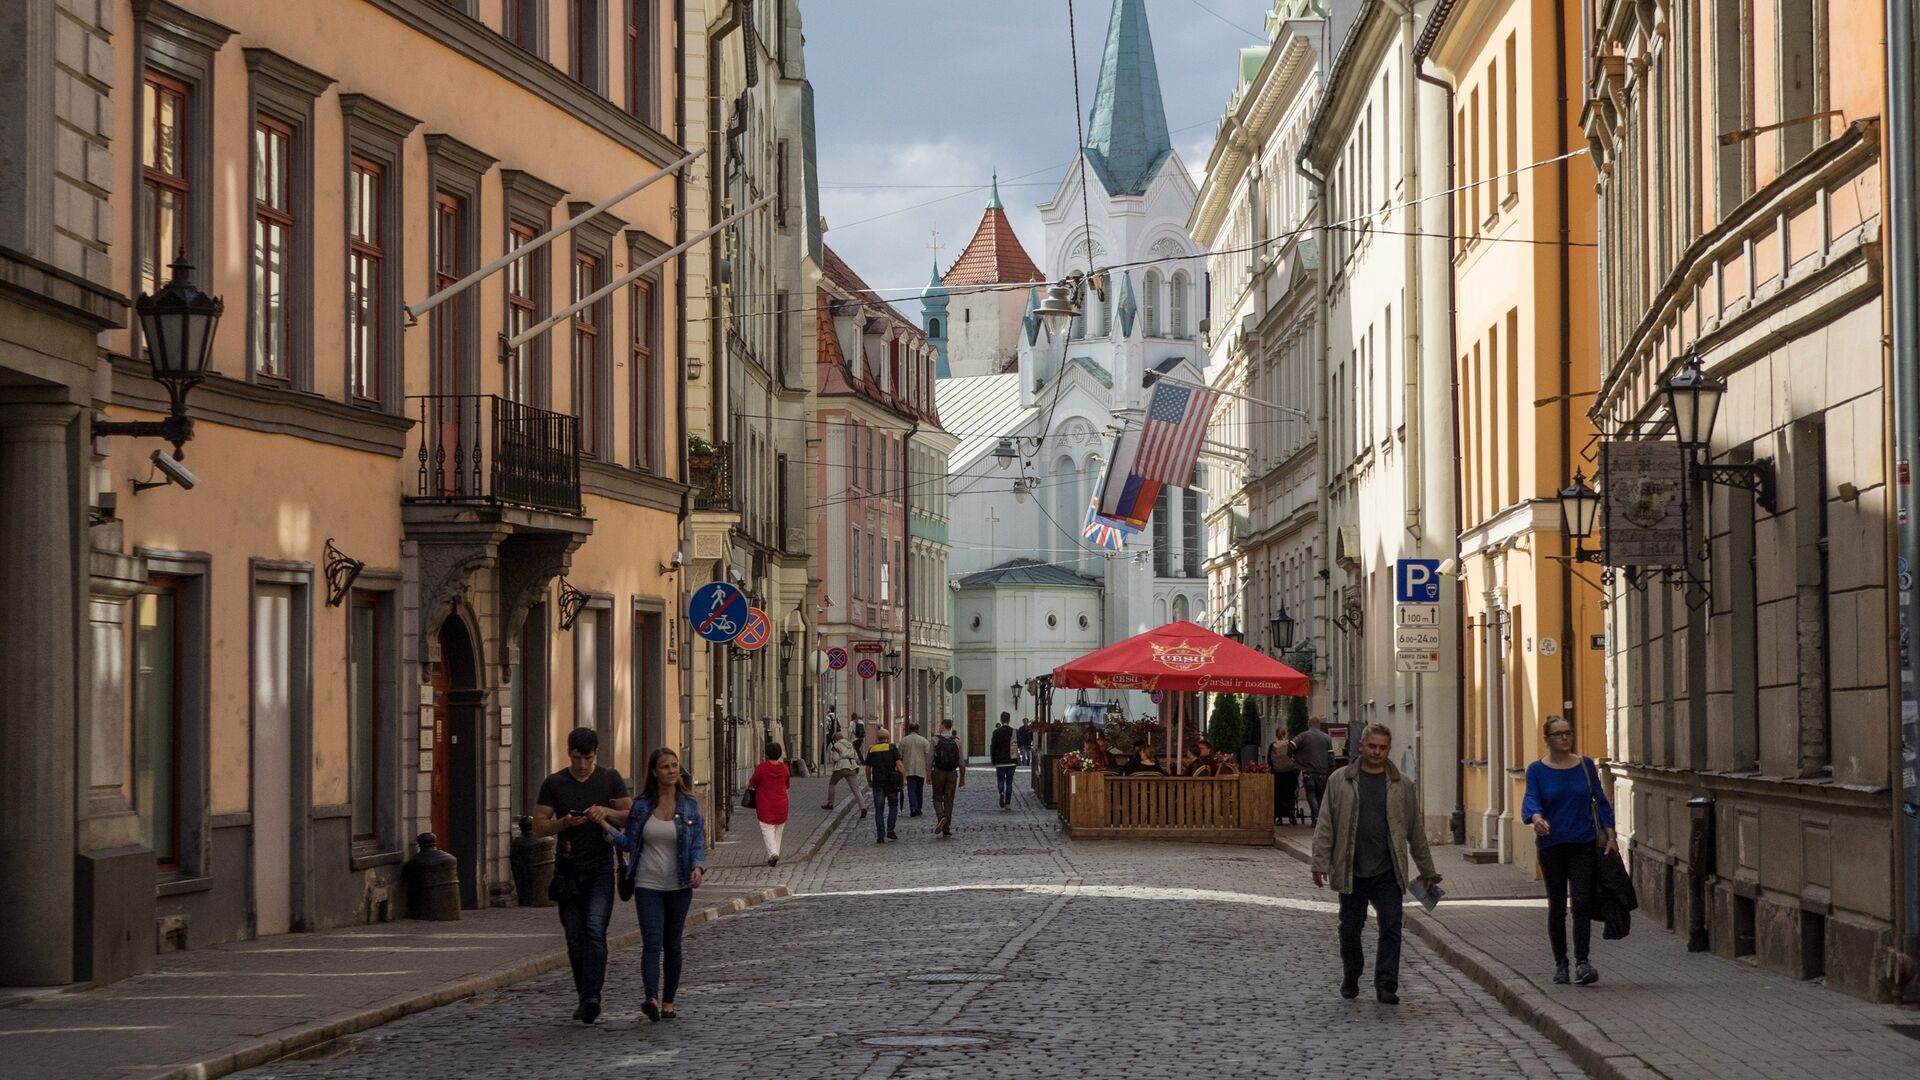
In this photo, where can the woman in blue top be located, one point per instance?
(1564, 797)
(667, 838)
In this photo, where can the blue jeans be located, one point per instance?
(1003, 777)
(1316, 786)
(886, 811)
(915, 786)
(1382, 892)
(663, 920)
(585, 918)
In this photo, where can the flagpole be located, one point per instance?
(1161, 377)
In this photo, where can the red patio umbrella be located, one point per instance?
(1181, 656)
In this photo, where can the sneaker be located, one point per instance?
(1560, 974)
(1387, 997)
(578, 1009)
(891, 835)
(773, 860)
(879, 839)
(590, 1010)
(1350, 990)
(1584, 974)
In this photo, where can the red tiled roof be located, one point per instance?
(836, 271)
(994, 256)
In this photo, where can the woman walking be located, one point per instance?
(666, 836)
(1573, 822)
(769, 784)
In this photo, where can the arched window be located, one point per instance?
(933, 328)
(1065, 513)
(1097, 310)
(1177, 306)
(1150, 304)
(1179, 608)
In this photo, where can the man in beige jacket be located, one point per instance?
(915, 750)
(1370, 819)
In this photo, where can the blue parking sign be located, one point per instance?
(1416, 581)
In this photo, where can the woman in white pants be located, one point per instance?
(769, 784)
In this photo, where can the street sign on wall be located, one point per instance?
(868, 669)
(1642, 487)
(756, 632)
(718, 611)
(836, 658)
(1416, 581)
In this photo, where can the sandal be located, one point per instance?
(668, 1014)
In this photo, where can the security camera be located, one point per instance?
(176, 473)
(677, 559)
(1446, 567)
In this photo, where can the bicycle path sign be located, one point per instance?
(718, 612)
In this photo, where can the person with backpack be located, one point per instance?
(1003, 760)
(914, 749)
(949, 774)
(1573, 826)
(886, 775)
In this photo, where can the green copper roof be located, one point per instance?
(1128, 139)
(994, 203)
(936, 290)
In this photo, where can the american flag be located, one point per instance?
(1170, 439)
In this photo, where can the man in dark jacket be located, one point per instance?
(886, 777)
(1004, 761)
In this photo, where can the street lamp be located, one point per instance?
(891, 667)
(1580, 516)
(1059, 309)
(1233, 633)
(1693, 404)
(1016, 695)
(786, 646)
(1281, 630)
(178, 324)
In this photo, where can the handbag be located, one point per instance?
(622, 876)
(748, 798)
(1588, 769)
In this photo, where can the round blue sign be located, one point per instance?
(836, 658)
(718, 611)
(868, 669)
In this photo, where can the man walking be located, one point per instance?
(949, 773)
(578, 804)
(1372, 819)
(843, 763)
(1004, 761)
(885, 773)
(1313, 753)
(1024, 740)
(914, 750)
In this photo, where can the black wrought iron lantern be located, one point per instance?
(1233, 633)
(1693, 402)
(892, 666)
(1579, 509)
(786, 646)
(178, 324)
(1280, 630)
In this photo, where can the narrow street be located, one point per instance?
(1007, 951)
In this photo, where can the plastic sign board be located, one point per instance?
(1417, 638)
(1416, 615)
(868, 669)
(1416, 581)
(1404, 660)
(718, 612)
(836, 658)
(757, 631)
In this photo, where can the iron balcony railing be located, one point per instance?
(713, 488)
(481, 448)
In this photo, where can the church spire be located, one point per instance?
(1128, 139)
(994, 203)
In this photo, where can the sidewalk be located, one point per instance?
(807, 827)
(1658, 1010)
(212, 1011)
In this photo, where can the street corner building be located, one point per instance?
(418, 541)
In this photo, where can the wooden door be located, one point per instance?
(976, 724)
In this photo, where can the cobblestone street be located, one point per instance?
(1024, 954)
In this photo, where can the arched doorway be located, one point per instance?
(457, 764)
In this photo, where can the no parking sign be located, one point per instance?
(868, 669)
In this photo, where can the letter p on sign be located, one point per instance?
(1416, 581)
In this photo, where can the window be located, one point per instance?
(1474, 174)
(449, 261)
(586, 54)
(593, 670)
(780, 186)
(525, 25)
(1733, 81)
(855, 561)
(1513, 115)
(644, 376)
(270, 319)
(1802, 77)
(524, 276)
(589, 390)
(1190, 548)
(873, 560)
(164, 178)
(157, 721)
(933, 328)
(1150, 304)
(369, 713)
(1162, 538)
(642, 61)
(366, 291)
(1177, 321)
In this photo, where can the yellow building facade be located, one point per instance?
(1525, 353)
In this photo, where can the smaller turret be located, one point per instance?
(933, 319)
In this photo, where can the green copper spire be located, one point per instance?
(1128, 139)
(994, 203)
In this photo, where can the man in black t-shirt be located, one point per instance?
(578, 804)
(886, 776)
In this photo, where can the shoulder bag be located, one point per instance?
(748, 798)
(1588, 769)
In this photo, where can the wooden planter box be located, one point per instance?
(1046, 780)
(1211, 809)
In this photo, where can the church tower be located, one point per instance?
(933, 319)
(988, 287)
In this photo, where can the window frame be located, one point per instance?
(178, 183)
(179, 46)
(584, 336)
(281, 94)
(640, 38)
(529, 203)
(266, 359)
(364, 248)
(377, 134)
(587, 44)
(524, 22)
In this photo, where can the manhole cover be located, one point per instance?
(924, 1042)
(954, 977)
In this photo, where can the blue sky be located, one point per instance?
(910, 93)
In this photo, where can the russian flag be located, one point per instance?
(1124, 496)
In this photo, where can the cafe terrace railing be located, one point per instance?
(488, 450)
(1206, 809)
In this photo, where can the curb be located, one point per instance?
(824, 831)
(1600, 1056)
(275, 1047)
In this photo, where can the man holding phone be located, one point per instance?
(578, 804)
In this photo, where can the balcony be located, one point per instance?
(712, 479)
(484, 450)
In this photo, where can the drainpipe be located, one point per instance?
(1458, 824)
(1322, 556)
(1569, 665)
(680, 345)
(1903, 195)
(1413, 469)
(906, 569)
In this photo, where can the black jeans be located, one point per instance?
(886, 811)
(663, 920)
(1570, 870)
(915, 786)
(1383, 893)
(1003, 778)
(584, 917)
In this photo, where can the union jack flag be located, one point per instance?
(1170, 440)
(1103, 531)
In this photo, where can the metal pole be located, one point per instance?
(1155, 376)
(414, 311)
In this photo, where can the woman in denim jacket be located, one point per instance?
(667, 842)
